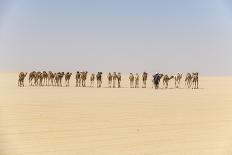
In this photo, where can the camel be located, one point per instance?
(144, 77)
(99, 79)
(136, 80)
(119, 78)
(156, 80)
(195, 80)
(109, 80)
(177, 78)
(92, 78)
(32, 75)
(166, 79)
(51, 77)
(67, 78)
(22, 76)
(78, 79)
(39, 78)
(188, 80)
(83, 78)
(58, 78)
(45, 78)
(131, 78)
(114, 79)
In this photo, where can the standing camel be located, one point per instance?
(177, 78)
(58, 78)
(83, 78)
(188, 80)
(131, 78)
(119, 78)
(156, 80)
(195, 80)
(78, 79)
(99, 79)
(136, 80)
(67, 78)
(39, 78)
(32, 75)
(109, 77)
(51, 77)
(45, 78)
(114, 79)
(166, 79)
(22, 76)
(92, 78)
(144, 77)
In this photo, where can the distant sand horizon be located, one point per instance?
(128, 121)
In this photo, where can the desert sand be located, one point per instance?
(107, 121)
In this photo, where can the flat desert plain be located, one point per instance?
(107, 121)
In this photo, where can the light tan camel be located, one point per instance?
(195, 80)
(166, 79)
(51, 77)
(131, 78)
(45, 78)
(144, 77)
(22, 76)
(119, 78)
(188, 80)
(67, 78)
(136, 80)
(114, 79)
(92, 78)
(109, 77)
(177, 78)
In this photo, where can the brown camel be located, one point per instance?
(58, 78)
(32, 75)
(99, 79)
(22, 76)
(51, 77)
(119, 78)
(67, 78)
(195, 80)
(166, 79)
(78, 79)
(45, 78)
(144, 77)
(188, 80)
(83, 78)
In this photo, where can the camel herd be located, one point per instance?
(55, 79)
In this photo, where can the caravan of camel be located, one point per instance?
(114, 79)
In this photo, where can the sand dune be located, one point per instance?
(72, 121)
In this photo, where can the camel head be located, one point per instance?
(171, 77)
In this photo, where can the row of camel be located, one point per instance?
(114, 79)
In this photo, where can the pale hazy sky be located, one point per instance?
(117, 35)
